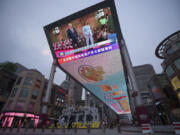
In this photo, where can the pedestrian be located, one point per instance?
(103, 124)
(61, 121)
(70, 122)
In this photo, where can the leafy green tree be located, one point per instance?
(8, 66)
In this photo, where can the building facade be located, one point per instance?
(164, 98)
(26, 93)
(56, 102)
(74, 91)
(7, 80)
(22, 95)
(19, 68)
(8, 74)
(143, 74)
(169, 51)
(23, 104)
(161, 88)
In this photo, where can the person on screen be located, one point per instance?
(99, 35)
(110, 24)
(72, 35)
(82, 41)
(88, 34)
(103, 21)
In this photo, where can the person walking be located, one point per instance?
(70, 122)
(61, 121)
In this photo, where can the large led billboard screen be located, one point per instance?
(86, 46)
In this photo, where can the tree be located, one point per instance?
(8, 66)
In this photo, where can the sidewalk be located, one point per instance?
(156, 129)
(125, 130)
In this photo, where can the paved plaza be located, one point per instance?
(126, 130)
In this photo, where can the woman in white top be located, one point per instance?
(88, 34)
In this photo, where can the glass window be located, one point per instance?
(177, 63)
(24, 92)
(14, 92)
(34, 94)
(169, 70)
(28, 81)
(178, 44)
(170, 50)
(38, 83)
(19, 81)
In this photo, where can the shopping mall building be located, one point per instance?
(169, 51)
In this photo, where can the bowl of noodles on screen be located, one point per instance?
(91, 74)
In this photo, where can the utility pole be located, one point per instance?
(137, 99)
(49, 87)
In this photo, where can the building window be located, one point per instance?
(173, 48)
(24, 92)
(170, 50)
(9, 105)
(178, 44)
(28, 81)
(20, 106)
(38, 83)
(14, 92)
(169, 71)
(31, 107)
(19, 81)
(177, 63)
(34, 94)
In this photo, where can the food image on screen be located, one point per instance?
(118, 98)
(117, 93)
(124, 105)
(111, 87)
(105, 88)
(91, 73)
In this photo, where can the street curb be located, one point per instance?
(135, 131)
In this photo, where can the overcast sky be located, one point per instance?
(144, 24)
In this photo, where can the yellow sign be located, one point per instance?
(95, 124)
(179, 95)
(175, 82)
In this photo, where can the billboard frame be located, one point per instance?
(81, 13)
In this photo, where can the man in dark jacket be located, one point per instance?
(70, 122)
(72, 35)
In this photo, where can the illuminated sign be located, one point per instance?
(86, 47)
(175, 83)
(61, 91)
